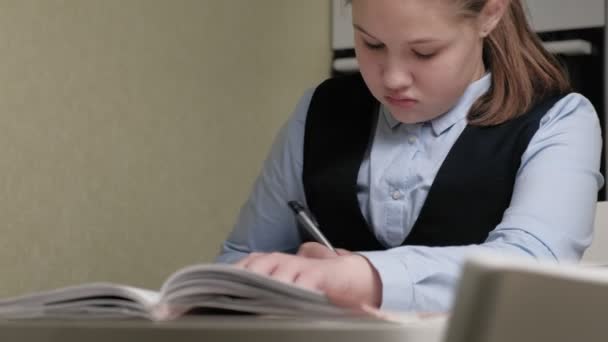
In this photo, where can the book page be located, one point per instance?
(226, 287)
(84, 301)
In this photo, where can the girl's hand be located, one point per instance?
(347, 279)
(318, 251)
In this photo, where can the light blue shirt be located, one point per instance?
(550, 215)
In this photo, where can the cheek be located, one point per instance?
(366, 60)
(451, 72)
(433, 77)
(369, 66)
(449, 81)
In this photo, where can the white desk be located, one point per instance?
(220, 328)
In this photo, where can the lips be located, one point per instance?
(403, 102)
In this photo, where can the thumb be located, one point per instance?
(342, 252)
(316, 250)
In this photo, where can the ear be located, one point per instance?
(490, 15)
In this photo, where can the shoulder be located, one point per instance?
(343, 80)
(571, 126)
(338, 96)
(347, 85)
(568, 121)
(328, 90)
(572, 108)
(573, 102)
(298, 117)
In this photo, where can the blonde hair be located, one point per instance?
(523, 72)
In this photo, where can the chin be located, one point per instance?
(409, 117)
(409, 120)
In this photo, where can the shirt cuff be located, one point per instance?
(397, 287)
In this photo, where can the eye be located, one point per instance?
(373, 46)
(425, 55)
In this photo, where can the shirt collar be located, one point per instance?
(390, 119)
(457, 113)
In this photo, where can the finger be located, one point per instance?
(344, 299)
(315, 250)
(342, 252)
(312, 280)
(246, 260)
(285, 273)
(267, 263)
(358, 283)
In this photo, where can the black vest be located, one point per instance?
(467, 199)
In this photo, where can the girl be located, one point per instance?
(459, 135)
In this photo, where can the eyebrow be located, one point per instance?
(422, 40)
(357, 27)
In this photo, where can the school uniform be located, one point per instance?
(415, 199)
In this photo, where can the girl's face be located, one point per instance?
(417, 57)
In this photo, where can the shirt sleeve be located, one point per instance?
(265, 223)
(550, 215)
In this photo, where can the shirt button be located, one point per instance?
(412, 139)
(396, 195)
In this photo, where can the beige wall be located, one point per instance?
(131, 130)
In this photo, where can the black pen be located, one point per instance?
(307, 222)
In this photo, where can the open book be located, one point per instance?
(193, 289)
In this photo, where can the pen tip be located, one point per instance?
(295, 205)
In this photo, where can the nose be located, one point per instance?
(396, 74)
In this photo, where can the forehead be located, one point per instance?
(403, 16)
